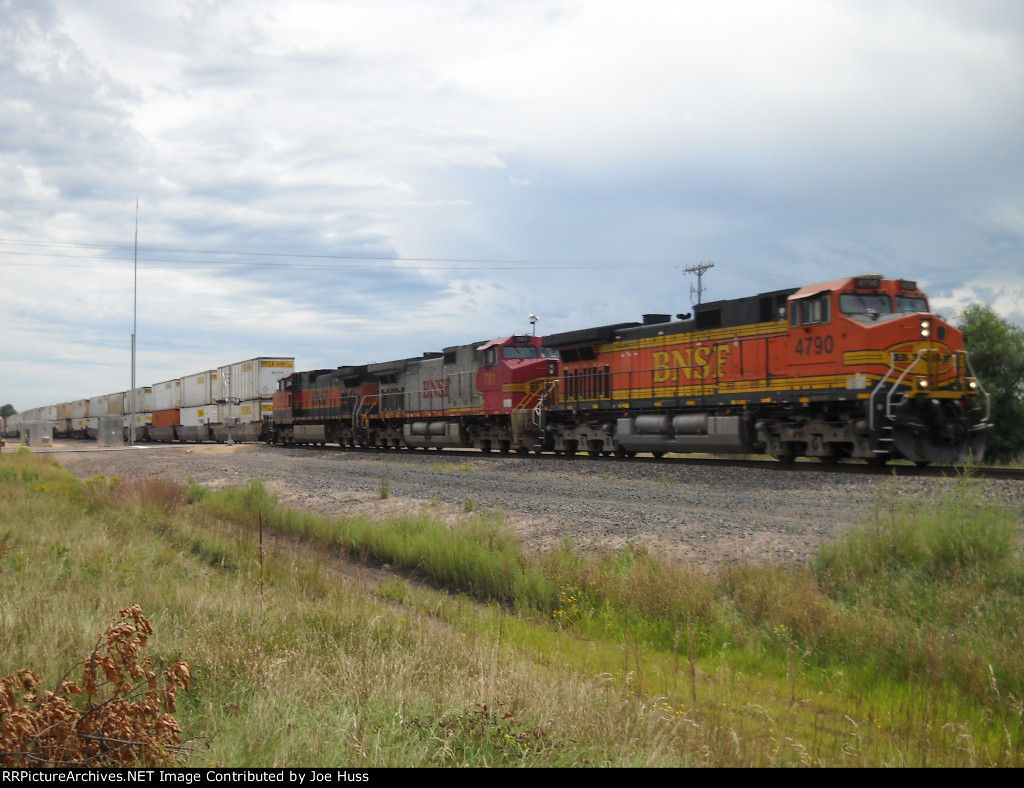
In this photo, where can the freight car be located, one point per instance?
(485, 395)
(857, 367)
(232, 402)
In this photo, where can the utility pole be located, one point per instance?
(699, 290)
(135, 312)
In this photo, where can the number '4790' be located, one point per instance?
(814, 346)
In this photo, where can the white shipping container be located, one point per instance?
(80, 409)
(199, 389)
(108, 404)
(245, 412)
(143, 400)
(198, 416)
(254, 379)
(166, 395)
(45, 413)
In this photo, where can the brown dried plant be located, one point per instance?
(122, 716)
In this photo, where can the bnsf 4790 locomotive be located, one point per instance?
(853, 368)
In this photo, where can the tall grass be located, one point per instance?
(900, 645)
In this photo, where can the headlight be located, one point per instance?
(926, 329)
(972, 384)
(922, 383)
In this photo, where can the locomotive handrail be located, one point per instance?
(543, 390)
(921, 356)
(367, 402)
(874, 394)
(539, 389)
(892, 390)
(981, 389)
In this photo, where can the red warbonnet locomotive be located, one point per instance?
(853, 368)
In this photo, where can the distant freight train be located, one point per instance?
(858, 367)
(230, 402)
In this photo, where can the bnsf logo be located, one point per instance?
(436, 389)
(905, 354)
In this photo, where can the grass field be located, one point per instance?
(900, 646)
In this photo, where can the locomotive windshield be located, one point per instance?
(911, 304)
(528, 352)
(871, 304)
(520, 351)
(875, 305)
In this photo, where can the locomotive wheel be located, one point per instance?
(786, 458)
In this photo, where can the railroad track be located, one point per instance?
(899, 469)
(854, 467)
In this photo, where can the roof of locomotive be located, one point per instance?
(585, 336)
(518, 339)
(884, 283)
(809, 290)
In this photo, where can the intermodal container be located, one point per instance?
(198, 389)
(255, 379)
(107, 405)
(166, 395)
(143, 400)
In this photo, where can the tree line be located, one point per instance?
(996, 348)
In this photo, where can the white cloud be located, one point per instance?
(789, 141)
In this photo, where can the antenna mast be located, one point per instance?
(699, 290)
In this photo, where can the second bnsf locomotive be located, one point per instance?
(859, 367)
(484, 395)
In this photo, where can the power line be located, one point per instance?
(448, 261)
(330, 262)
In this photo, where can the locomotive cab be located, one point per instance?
(904, 363)
(516, 372)
(516, 377)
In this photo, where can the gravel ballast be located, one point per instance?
(707, 515)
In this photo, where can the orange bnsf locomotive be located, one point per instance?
(484, 395)
(853, 368)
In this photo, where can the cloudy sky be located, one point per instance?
(353, 181)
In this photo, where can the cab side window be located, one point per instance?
(809, 311)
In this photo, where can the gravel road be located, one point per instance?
(705, 515)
